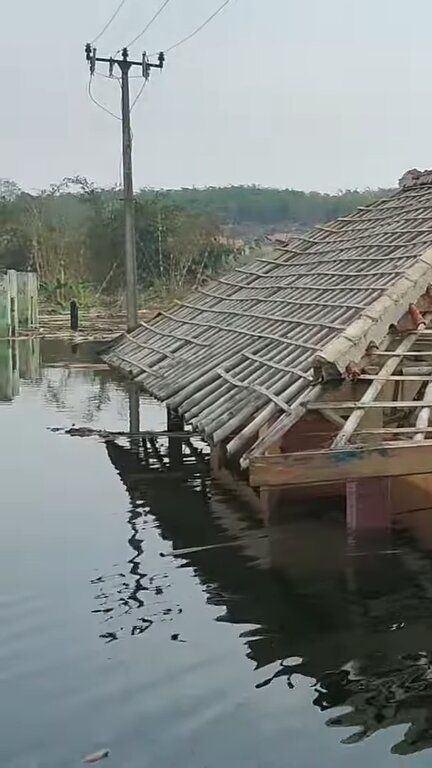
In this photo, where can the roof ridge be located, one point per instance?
(373, 321)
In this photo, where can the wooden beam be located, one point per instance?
(373, 391)
(282, 425)
(391, 431)
(340, 465)
(372, 377)
(403, 373)
(333, 418)
(411, 353)
(361, 406)
(415, 370)
(424, 332)
(424, 414)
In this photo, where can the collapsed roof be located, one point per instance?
(246, 347)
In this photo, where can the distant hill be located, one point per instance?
(253, 210)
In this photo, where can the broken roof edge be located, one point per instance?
(415, 178)
(373, 323)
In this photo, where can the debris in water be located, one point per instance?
(96, 756)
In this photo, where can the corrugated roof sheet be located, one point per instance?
(241, 349)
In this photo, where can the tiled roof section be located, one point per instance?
(240, 351)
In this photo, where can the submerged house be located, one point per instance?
(310, 367)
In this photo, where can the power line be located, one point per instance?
(109, 22)
(148, 25)
(98, 104)
(176, 45)
(198, 29)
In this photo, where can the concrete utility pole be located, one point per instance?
(125, 66)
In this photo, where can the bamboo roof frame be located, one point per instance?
(348, 430)
(231, 360)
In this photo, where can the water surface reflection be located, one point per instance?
(356, 622)
(143, 609)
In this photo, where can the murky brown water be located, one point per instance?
(142, 610)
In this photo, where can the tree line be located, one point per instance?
(72, 232)
(280, 208)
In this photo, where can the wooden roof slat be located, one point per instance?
(361, 246)
(382, 215)
(158, 350)
(361, 259)
(365, 232)
(281, 286)
(364, 226)
(278, 367)
(304, 273)
(159, 332)
(243, 331)
(142, 368)
(273, 318)
(350, 287)
(255, 388)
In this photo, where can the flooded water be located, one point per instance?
(144, 611)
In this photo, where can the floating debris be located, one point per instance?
(109, 435)
(96, 756)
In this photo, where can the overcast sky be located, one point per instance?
(310, 94)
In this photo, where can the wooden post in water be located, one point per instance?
(74, 315)
(134, 417)
(13, 295)
(175, 423)
(368, 505)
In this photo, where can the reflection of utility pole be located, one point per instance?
(134, 416)
(175, 423)
(125, 66)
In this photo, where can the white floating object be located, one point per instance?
(96, 756)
